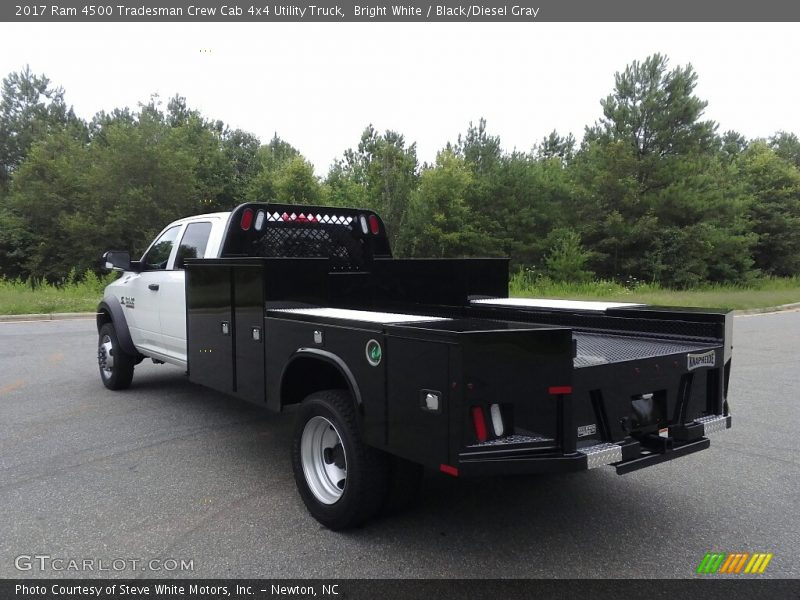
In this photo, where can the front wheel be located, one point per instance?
(116, 367)
(342, 481)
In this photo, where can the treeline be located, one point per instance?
(653, 192)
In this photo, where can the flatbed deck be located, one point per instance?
(592, 348)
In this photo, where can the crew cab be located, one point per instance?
(396, 364)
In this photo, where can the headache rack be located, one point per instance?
(349, 238)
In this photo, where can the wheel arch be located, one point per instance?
(109, 311)
(312, 370)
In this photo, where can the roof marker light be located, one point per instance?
(260, 216)
(479, 421)
(374, 225)
(363, 220)
(247, 219)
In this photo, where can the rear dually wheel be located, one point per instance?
(341, 480)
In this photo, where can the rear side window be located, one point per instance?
(157, 257)
(194, 242)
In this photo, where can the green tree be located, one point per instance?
(270, 159)
(566, 259)
(386, 170)
(649, 171)
(295, 183)
(556, 146)
(774, 184)
(30, 110)
(787, 146)
(440, 223)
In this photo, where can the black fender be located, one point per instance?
(110, 310)
(333, 360)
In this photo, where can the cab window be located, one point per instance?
(194, 242)
(157, 256)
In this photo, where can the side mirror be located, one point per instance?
(117, 260)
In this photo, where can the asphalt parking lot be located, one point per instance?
(170, 470)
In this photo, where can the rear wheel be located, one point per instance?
(116, 367)
(341, 480)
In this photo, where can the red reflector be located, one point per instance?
(285, 217)
(480, 423)
(557, 390)
(449, 470)
(247, 218)
(302, 218)
(374, 225)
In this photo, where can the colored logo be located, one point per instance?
(742, 562)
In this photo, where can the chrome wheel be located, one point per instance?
(105, 356)
(323, 459)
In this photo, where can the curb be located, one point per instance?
(770, 309)
(47, 317)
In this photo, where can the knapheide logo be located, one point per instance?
(734, 563)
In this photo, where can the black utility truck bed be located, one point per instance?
(441, 367)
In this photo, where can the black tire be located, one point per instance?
(119, 376)
(326, 438)
(405, 482)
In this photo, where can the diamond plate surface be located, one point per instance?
(597, 349)
(601, 454)
(713, 423)
(513, 439)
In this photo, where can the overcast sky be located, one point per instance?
(319, 85)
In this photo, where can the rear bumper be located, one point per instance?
(625, 457)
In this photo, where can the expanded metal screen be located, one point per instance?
(317, 240)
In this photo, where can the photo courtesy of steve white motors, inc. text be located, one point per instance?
(173, 589)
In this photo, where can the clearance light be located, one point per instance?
(497, 419)
(559, 390)
(480, 423)
(449, 470)
(247, 219)
(374, 225)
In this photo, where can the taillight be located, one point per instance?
(479, 421)
(247, 218)
(374, 225)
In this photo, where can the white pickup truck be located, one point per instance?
(143, 313)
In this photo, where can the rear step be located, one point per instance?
(600, 455)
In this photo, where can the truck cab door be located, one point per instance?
(193, 244)
(144, 296)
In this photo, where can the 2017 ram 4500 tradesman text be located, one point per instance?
(395, 364)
